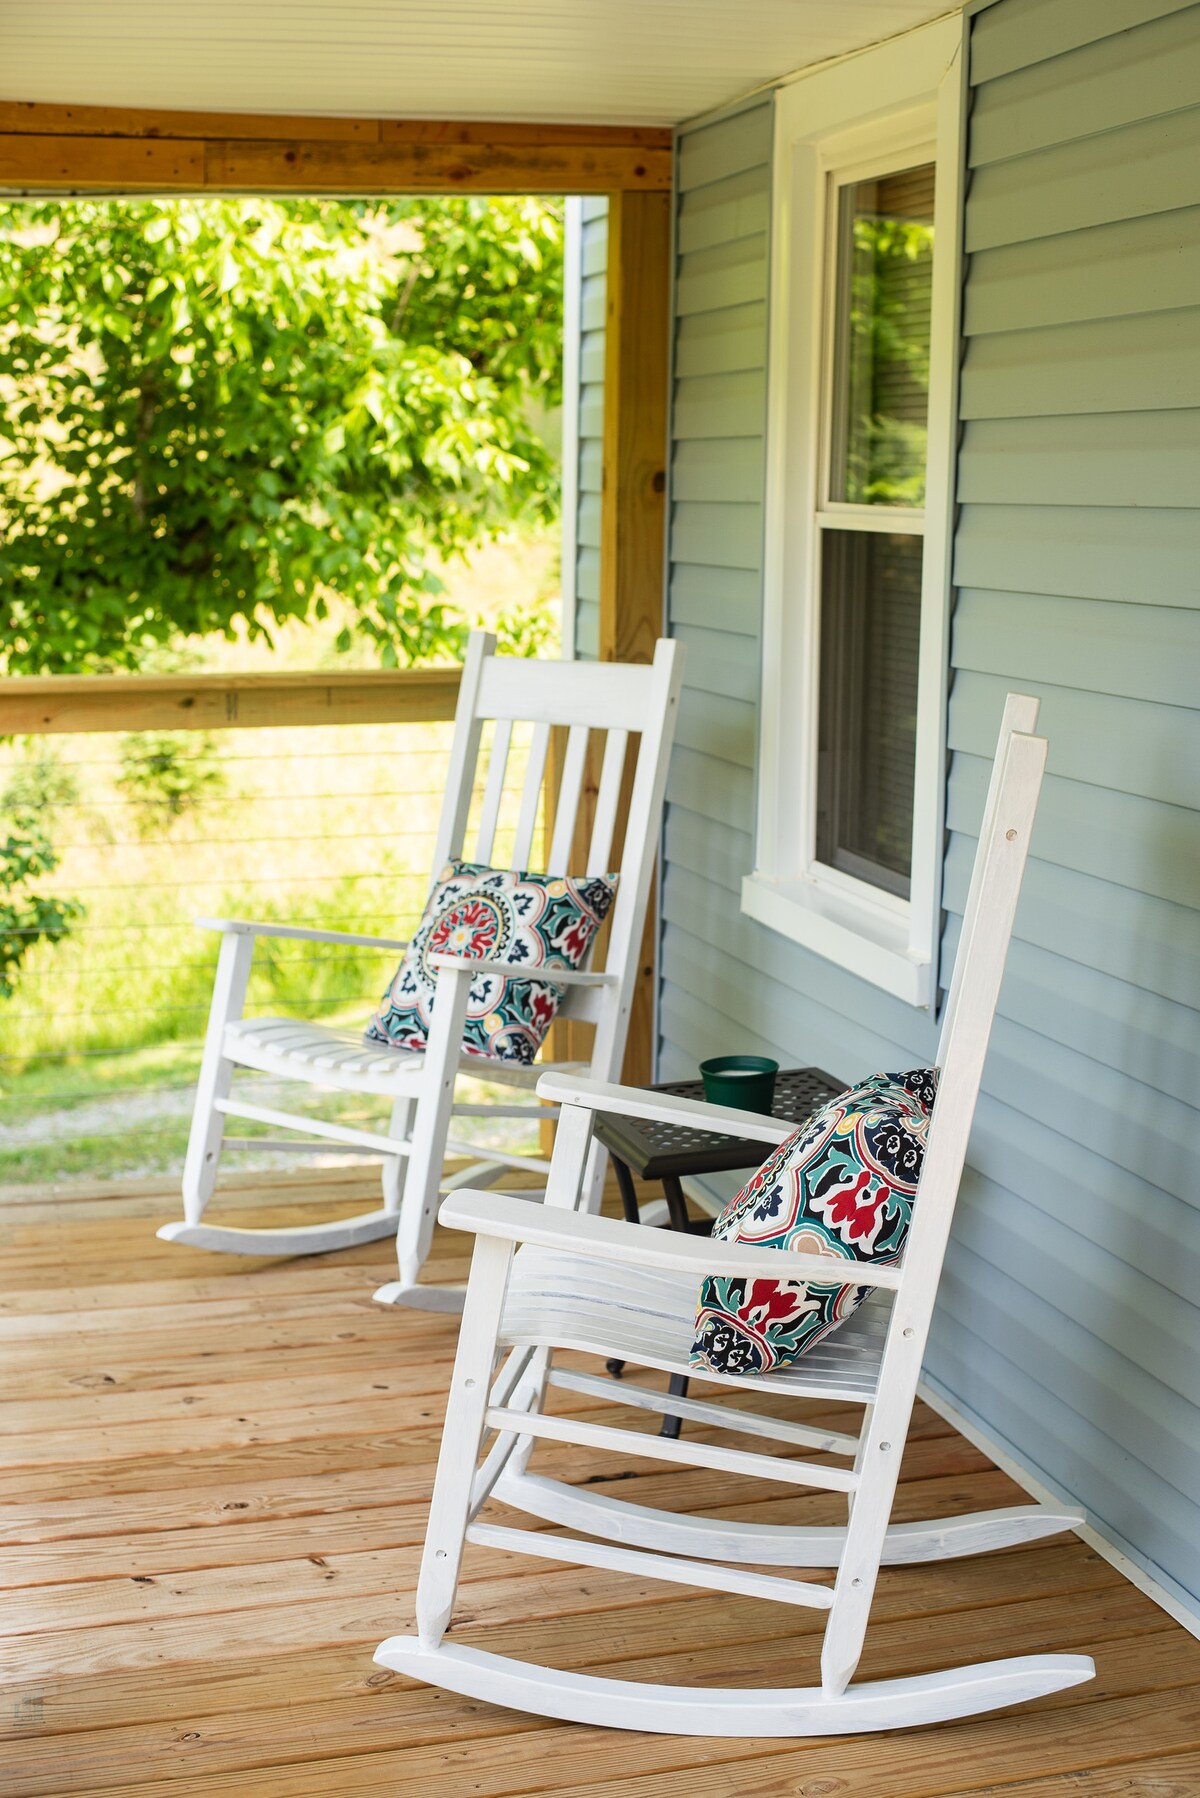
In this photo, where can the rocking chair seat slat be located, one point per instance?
(329, 1057)
(648, 1317)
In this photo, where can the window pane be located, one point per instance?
(881, 339)
(870, 623)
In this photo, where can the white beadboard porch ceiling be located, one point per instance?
(647, 62)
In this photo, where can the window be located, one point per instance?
(880, 273)
(860, 435)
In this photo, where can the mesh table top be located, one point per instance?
(652, 1150)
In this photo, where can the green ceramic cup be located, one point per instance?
(746, 1082)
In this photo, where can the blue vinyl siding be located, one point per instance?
(589, 448)
(1069, 1318)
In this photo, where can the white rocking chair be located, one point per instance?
(612, 1288)
(617, 699)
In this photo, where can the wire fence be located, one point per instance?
(329, 826)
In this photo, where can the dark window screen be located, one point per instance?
(870, 626)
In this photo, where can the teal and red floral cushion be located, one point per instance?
(842, 1184)
(494, 914)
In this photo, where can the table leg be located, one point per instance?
(629, 1206)
(677, 1206)
(676, 1203)
(678, 1388)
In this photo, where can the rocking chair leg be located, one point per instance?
(450, 1507)
(592, 1191)
(418, 1210)
(395, 1167)
(216, 1077)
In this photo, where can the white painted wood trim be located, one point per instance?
(248, 927)
(856, 934)
(773, 1544)
(652, 1564)
(503, 1215)
(551, 976)
(668, 1404)
(897, 92)
(665, 1108)
(531, 796)
(288, 1120)
(686, 1452)
(572, 344)
(295, 1239)
(608, 796)
(493, 792)
(733, 1711)
(515, 687)
(558, 858)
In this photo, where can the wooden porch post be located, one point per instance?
(636, 362)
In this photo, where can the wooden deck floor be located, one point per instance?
(211, 1504)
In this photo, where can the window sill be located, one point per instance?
(858, 937)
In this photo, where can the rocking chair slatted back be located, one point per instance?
(1020, 714)
(609, 1288)
(493, 792)
(1003, 849)
(499, 691)
(570, 791)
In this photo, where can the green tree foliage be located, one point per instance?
(888, 355)
(37, 786)
(164, 777)
(222, 413)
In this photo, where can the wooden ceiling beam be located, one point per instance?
(96, 149)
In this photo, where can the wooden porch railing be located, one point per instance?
(54, 705)
(58, 705)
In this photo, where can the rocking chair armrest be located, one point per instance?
(665, 1108)
(552, 976)
(514, 1219)
(243, 927)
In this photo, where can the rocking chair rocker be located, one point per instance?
(612, 1288)
(616, 699)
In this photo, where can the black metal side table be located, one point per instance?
(670, 1152)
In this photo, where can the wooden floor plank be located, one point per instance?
(189, 1690)
(227, 1466)
(224, 1535)
(363, 1470)
(1168, 1776)
(280, 1603)
(929, 1763)
(403, 1717)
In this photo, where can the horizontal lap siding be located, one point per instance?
(593, 274)
(1068, 1322)
(1078, 570)
(726, 981)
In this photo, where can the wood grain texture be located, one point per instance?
(61, 704)
(166, 1604)
(52, 148)
(632, 501)
(40, 118)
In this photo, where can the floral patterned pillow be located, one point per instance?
(843, 1183)
(493, 914)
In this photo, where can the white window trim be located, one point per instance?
(908, 91)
